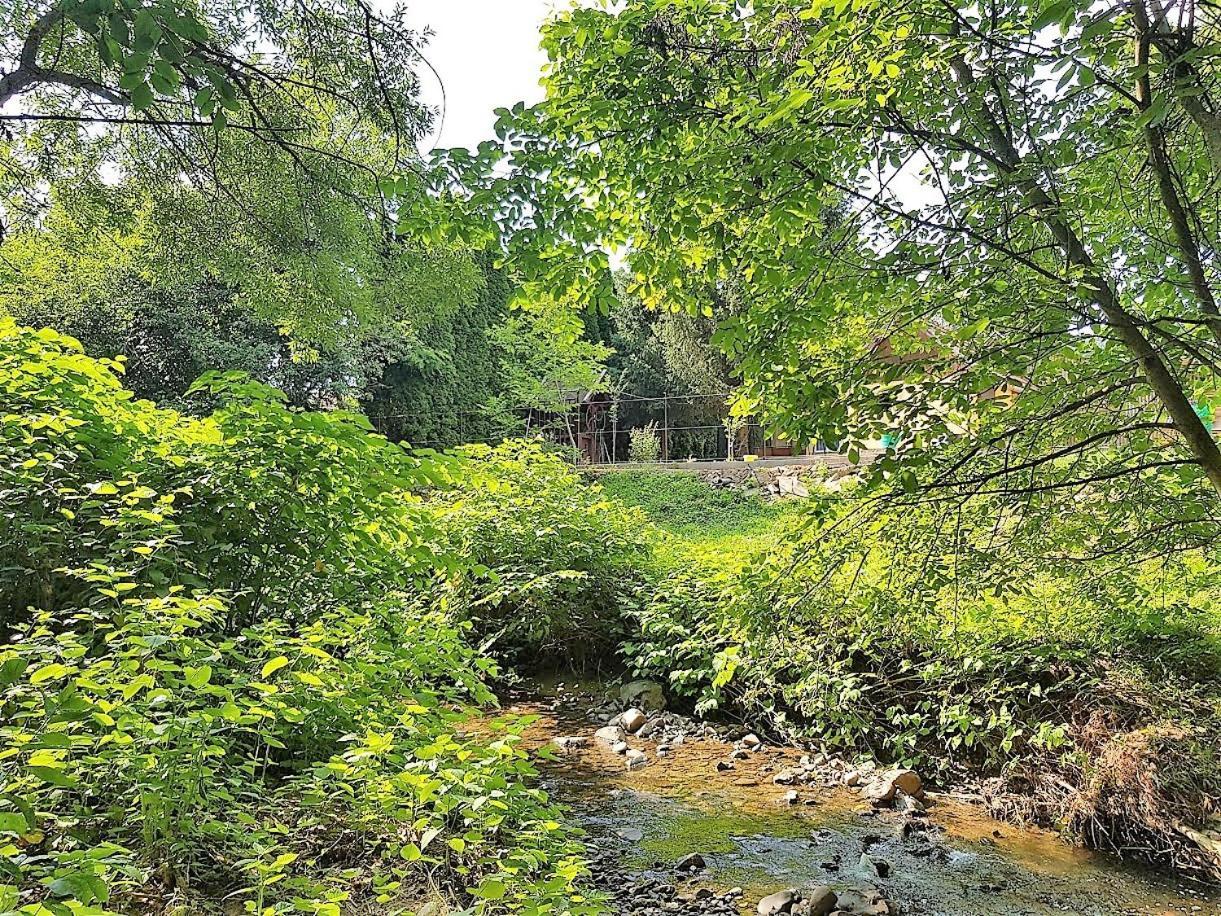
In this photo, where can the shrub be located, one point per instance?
(845, 632)
(545, 560)
(227, 678)
(644, 444)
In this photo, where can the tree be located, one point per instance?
(659, 354)
(989, 229)
(264, 134)
(313, 299)
(436, 385)
(545, 360)
(181, 71)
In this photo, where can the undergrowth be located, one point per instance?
(865, 633)
(545, 560)
(233, 676)
(243, 651)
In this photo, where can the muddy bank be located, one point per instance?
(756, 837)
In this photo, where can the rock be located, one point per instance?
(633, 720)
(819, 901)
(569, 743)
(785, 778)
(739, 754)
(790, 797)
(644, 694)
(882, 790)
(779, 902)
(908, 804)
(866, 901)
(636, 759)
(620, 747)
(874, 867)
(905, 781)
(723, 765)
(852, 779)
(609, 734)
(631, 834)
(751, 740)
(431, 908)
(651, 727)
(791, 485)
(692, 862)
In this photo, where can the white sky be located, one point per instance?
(487, 54)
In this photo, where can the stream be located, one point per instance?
(755, 838)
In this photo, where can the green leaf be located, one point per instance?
(11, 822)
(142, 97)
(491, 889)
(198, 677)
(11, 669)
(82, 886)
(52, 775)
(1052, 13)
(273, 666)
(51, 672)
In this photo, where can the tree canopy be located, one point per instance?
(986, 229)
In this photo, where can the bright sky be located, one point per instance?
(486, 52)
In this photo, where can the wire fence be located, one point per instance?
(598, 428)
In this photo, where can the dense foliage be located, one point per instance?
(947, 659)
(314, 303)
(438, 384)
(550, 557)
(984, 231)
(323, 93)
(233, 680)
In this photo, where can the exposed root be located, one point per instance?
(1151, 794)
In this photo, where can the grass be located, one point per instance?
(700, 517)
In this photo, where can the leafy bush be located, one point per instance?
(844, 631)
(226, 681)
(545, 560)
(645, 444)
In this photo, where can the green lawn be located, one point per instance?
(699, 516)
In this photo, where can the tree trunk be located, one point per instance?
(1166, 387)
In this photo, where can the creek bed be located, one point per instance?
(957, 861)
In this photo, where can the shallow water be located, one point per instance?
(964, 864)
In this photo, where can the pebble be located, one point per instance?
(609, 734)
